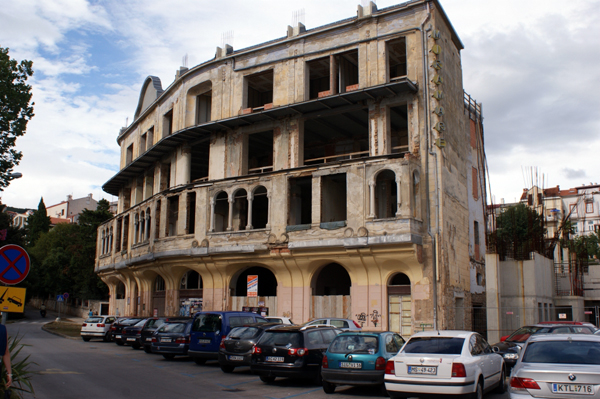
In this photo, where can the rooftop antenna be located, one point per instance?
(184, 60)
(127, 121)
(227, 38)
(298, 16)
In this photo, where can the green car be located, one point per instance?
(358, 358)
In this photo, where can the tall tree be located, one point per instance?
(15, 111)
(37, 223)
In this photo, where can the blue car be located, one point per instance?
(359, 358)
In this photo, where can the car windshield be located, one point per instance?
(434, 345)
(354, 344)
(154, 323)
(564, 352)
(243, 333)
(523, 333)
(207, 323)
(140, 323)
(281, 338)
(172, 327)
(94, 320)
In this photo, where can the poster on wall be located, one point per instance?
(189, 306)
(252, 286)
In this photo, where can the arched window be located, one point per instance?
(221, 212)
(120, 291)
(142, 223)
(110, 240)
(159, 284)
(191, 281)
(333, 279)
(386, 195)
(136, 233)
(148, 223)
(260, 208)
(103, 241)
(267, 282)
(240, 210)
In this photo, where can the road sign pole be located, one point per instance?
(4, 317)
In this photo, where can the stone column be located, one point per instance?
(250, 199)
(231, 200)
(398, 197)
(371, 200)
(212, 214)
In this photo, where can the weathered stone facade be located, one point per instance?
(335, 164)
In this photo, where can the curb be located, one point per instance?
(57, 333)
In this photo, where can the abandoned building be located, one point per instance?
(340, 167)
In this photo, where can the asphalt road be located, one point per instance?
(71, 368)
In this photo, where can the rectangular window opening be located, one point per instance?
(200, 160)
(143, 142)
(300, 201)
(190, 225)
(165, 176)
(336, 137)
(203, 108)
(399, 128)
(348, 71)
(260, 90)
(172, 214)
(119, 231)
(333, 198)
(150, 138)
(396, 50)
(318, 77)
(129, 155)
(260, 152)
(168, 123)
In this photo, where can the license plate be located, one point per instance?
(237, 358)
(148, 339)
(422, 370)
(576, 389)
(350, 365)
(204, 341)
(130, 339)
(165, 340)
(117, 336)
(276, 359)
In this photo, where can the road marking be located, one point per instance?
(298, 394)
(57, 371)
(239, 383)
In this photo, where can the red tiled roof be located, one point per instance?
(59, 220)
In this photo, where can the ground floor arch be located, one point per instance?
(331, 286)
(254, 287)
(399, 304)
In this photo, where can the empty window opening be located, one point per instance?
(221, 215)
(129, 155)
(318, 77)
(157, 223)
(260, 152)
(165, 176)
(267, 283)
(396, 50)
(203, 108)
(300, 205)
(260, 208)
(148, 224)
(125, 231)
(200, 159)
(336, 137)
(347, 71)
(240, 210)
(143, 139)
(142, 236)
(172, 215)
(119, 234)
(190, 223)
(149, 185)
(168, 123)
(386, 195)
(136, 229)
(159, 284)
(126, 198)
(191, 281)
(260, 90)
(120, 291)
(150, 138)
(333, 198)
(399, 129)
(333, 279)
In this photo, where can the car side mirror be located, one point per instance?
(495, 349)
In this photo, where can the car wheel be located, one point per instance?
(227, 369)
(147, 349)
(501, 388)
(136, 346)
(267, 378)
(86, 339)
(169, 357)
(106, 338)
(328, 387)
(319, 378)
(200, 360)
(383, 391)
(478, 394)
(119, 342)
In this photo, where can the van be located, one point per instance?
(209, 328)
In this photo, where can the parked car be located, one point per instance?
(445, 362)
(132, 335)
(359, 358)
(235, 350)
(291, 351)
(557, 366)
(97, 327)
(510, 346)
(342, 324)
(172, 338)
(279, 320)
(209, 328)
(117, 328)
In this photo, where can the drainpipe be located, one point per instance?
(433, 234)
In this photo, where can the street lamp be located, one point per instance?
(15, 175)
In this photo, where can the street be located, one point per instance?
(71, 368)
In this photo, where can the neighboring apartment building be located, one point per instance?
(70, 209)
(340, 167)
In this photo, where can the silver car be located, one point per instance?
(558, 366)
(342, 324)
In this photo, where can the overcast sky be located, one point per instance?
(533, 64)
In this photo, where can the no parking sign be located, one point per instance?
(14, 264)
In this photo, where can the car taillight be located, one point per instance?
(523, 383)
(138, 332)
(389, 367)
(113, 328)
(380, 363)
(356, 324)
(182, 340)
(458, 370)
(84, 325)
(100, 325)
(325, 363)
(256, 349)
(154, 339)
(298, 352)
(222, 344)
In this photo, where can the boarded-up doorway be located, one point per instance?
(400, 305)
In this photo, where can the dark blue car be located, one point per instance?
(172, 339)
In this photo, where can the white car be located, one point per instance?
(445, 362)
(277, 319)
(97, 327)
(561, 366)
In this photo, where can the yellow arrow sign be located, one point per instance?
(12, 299)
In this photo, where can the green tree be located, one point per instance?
(520, 230)
(37, 223)
(15, 111)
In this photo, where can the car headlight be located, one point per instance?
(511, 356)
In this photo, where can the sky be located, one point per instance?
(532, 64)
